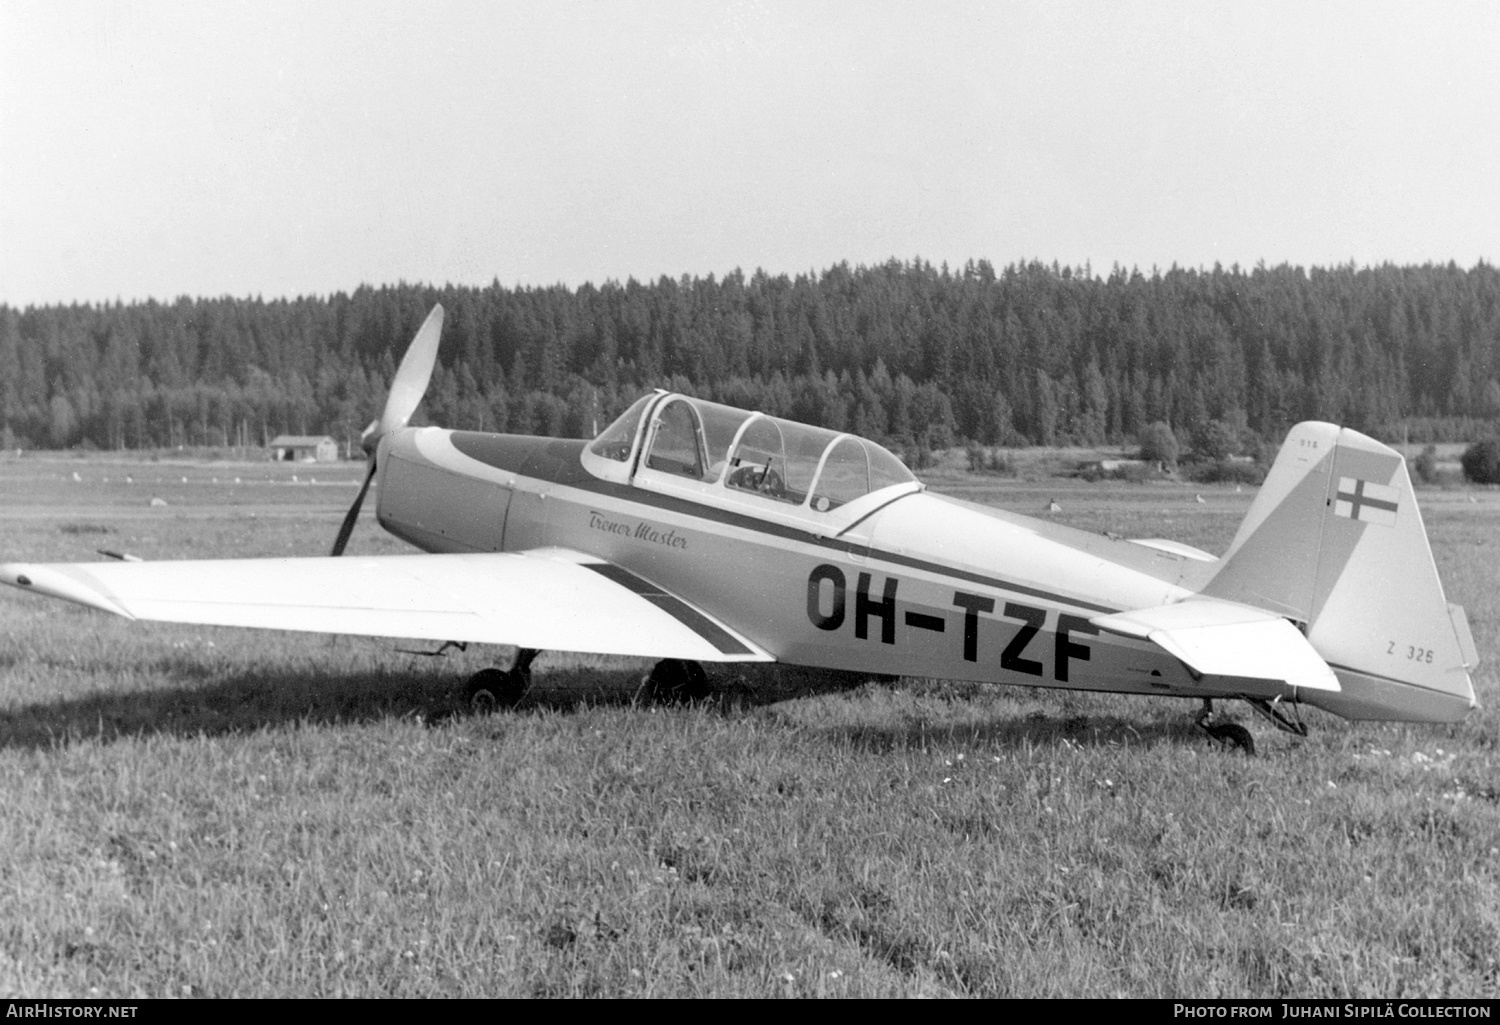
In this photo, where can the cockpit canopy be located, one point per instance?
(744, 453)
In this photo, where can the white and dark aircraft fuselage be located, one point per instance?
(692, 531)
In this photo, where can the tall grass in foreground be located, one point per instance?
(213, 812)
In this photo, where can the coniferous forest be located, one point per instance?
(916, 355)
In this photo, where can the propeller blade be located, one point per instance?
(347, 527)
(407, 389)
(411, 378)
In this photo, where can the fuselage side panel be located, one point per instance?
(924, 586)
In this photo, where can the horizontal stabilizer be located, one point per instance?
(1227, 642)
(550, 599)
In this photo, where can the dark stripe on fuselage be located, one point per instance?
(1336, 667)
(673, 606)
(556, 461)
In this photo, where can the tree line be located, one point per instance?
(917, 355)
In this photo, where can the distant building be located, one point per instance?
(1104, 466)
(304, 448)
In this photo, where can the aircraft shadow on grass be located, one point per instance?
(206, 700)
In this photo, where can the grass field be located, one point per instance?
(206, 812)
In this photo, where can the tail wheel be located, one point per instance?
(491, 690)
(675, 681)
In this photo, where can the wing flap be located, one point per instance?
(1224, 642)
(549, 599)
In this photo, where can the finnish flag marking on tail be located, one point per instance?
(1366, 501)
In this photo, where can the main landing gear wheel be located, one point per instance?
(675, 681)
(490, 690)
(1232, 734)
(1225, 734)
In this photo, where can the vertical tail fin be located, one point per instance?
(1335, 542)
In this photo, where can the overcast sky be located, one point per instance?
(165, 149)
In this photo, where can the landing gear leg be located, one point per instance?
(1272, 710)
(674, 681)
(1227, 734)
(490, 690)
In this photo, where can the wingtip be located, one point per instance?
(56, 582)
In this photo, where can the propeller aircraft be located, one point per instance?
(692, 532)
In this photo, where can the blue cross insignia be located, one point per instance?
(1366, 501)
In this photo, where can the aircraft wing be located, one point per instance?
(1228, 644)
(552, 599)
